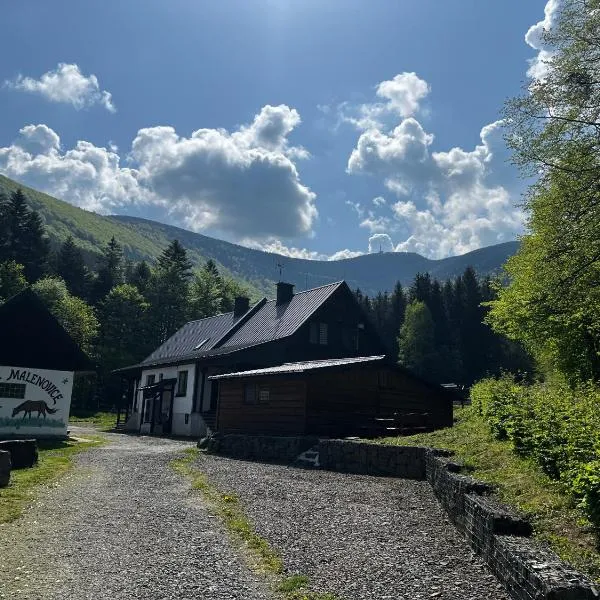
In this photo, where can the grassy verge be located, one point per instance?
(55, 459)
(104, 421)
(520, 483)
(262, 557)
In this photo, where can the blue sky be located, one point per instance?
(320, 128)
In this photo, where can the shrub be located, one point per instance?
(555, 425)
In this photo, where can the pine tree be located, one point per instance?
(70, 266)
(140, 276)
(396, 317)
(206, 294)
(169, 292)
(110, 271)
(420, 290)
(25, 240)
(38, 247)
(123, 316)
(4, 228)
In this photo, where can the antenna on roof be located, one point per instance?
(280, 267)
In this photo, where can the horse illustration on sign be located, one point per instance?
(33, 405)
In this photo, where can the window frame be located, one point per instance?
(18, 390)
(318, 334)
(150, 379)
(263, 395)
(179, 393)
(250, 386)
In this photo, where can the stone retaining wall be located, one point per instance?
(405, 462)
(5, 466)
(268, 448)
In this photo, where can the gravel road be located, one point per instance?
(360, 537)
(122, 525)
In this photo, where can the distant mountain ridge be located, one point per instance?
(145, 239)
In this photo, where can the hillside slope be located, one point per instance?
(145, 239)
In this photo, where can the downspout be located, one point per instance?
(195, 392)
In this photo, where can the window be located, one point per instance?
(318, 334)
(160, 376)
(12, 390)
(323, 334)
(182, 378)
(249, 393)
(150, 379)
(263, 395)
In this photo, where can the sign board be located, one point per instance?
(34, 402)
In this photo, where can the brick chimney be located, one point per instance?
(241, 304)
(285, 292)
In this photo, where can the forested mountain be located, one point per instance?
(145, 239)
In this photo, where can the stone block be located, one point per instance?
(5, 466)
(23, 453)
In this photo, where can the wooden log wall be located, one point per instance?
(283, 414)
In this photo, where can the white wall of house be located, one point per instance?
(182, 404)
(34, 402)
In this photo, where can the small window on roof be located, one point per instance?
(198, 346)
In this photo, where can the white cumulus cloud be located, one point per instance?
(381, 242)
(244, 184)
(401, 96)
(278, 247)
(448, 202)
(538, 67)
(66, 84)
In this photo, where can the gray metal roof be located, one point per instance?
(264, 322)
(184, 341)
(273, 322)
(301, 367)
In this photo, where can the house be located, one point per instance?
(367, 395)
(171, 391)
(38, 359)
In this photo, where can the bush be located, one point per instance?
(555, 425)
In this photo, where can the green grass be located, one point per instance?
(104, 421)
(519, 483)
(262, 557)
(55, 459)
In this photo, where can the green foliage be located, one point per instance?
(12, 279)
(417, 341)
(23, 236)
(556, 425)
(123, 318)
(464, 348)
(552, 303)
(211, 293)
(140, 276)
(110, 271)
(168, 293)
(70, 266)
(74, 314)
